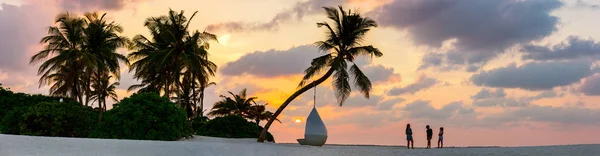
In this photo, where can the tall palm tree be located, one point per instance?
(102, 89)
(102, 40)
(237, 104)
(343, 45)
(173, 61)
(77, 49)
(65, 58)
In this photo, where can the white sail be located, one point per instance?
(315, 132)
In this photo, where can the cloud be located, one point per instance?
(534, 75)
(480, 29)
(22, 27)
(272, 62)
(583, 4)
(358, 100)
(420, 109)
(422, 83)
(361, 118)
(92, 5)
(548, 114)
(485, 93)
(591, 86)
(431, 60)
(389, 104)
(380, 74)
(572, 48)
(544, 95)
(488, 98)
(297, 12)
(500, 102)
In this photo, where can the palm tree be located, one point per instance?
(258, 113)
(102, 40)
(103, 89)
(343, 45)
(237, 104)
(64, 57)
(77, 49)
(174, 60)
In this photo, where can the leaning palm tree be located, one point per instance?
(65, 58)
(102, 89)
(343, 45)
(237, 104)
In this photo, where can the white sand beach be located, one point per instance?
(12, 145)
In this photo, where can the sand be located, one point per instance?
(13, 145)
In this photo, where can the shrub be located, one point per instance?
(197, 122)
(50, 119)
(232, 126)
(144, 116)
(10, 100)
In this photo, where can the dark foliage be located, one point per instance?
(10, 100)
(67, 119)
(197, 122)
(145, 116)
(232, 126)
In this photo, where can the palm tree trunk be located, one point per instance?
(202, 101)
(100, 110)
(87, 91)
(77, 93)
(263, 134)
(257, 121)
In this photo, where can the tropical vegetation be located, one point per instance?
(64, 119)
(173, 61)
(81, 65)
(144, 116)
(232, 126)
(241, 105)
(80, 58)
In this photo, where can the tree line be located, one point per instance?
(80, 61)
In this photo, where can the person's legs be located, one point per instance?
(412, 143)
(428, 142)
(439, 140)
(442, 143)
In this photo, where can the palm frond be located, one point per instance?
(361, 80)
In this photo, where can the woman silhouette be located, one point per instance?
(409, 137)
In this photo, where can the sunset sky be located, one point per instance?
(491, 72)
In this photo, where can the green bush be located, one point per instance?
(68, 119)
(10, 100)
(145, 116)
(197, 122)
(232, 126)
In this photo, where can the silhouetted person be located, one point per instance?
(429, 136)
(441, 139)
(409, 137)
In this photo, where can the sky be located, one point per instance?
(492, 73)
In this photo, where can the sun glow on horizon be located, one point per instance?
(298, 121)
